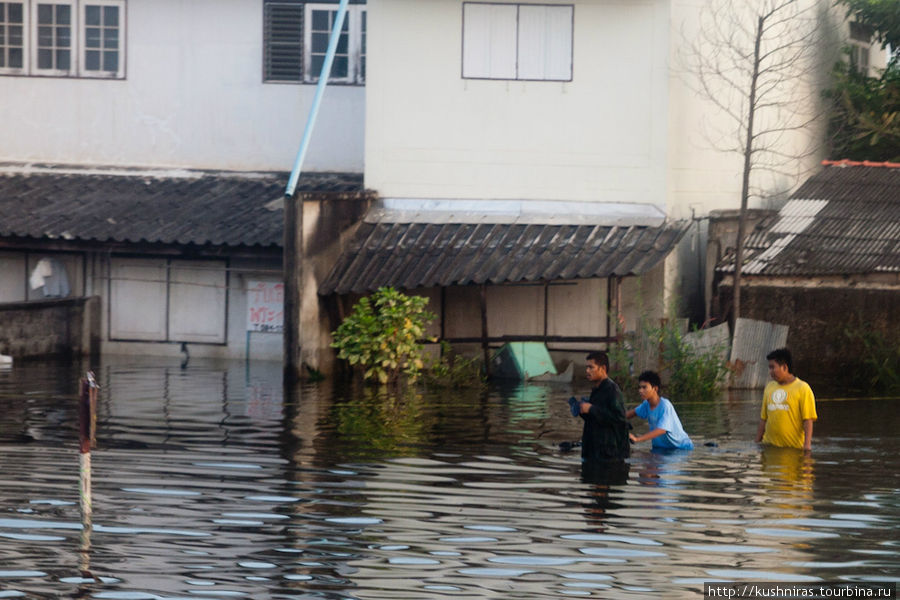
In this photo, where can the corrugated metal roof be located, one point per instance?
(230, 209)
(844, 220)
(423, 254)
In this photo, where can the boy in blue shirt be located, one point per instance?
(665, 426)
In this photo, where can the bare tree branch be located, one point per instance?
(755, 62)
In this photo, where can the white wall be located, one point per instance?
(600, 137)
(703, 174)
(193, 97)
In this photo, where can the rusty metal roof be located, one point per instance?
(437, 250)
(171, 207)
(844, 220)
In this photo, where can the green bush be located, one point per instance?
(383, 335)
(621, 368)
(692, 374)
(454, 371)
(874, 358)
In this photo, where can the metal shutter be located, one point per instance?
(283, 41)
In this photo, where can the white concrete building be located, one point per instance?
(589, 103)
(197, 100)
(581, 101)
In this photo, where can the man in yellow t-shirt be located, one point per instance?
(788, 408)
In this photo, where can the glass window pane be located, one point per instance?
(15, 58)
(111, 16)
(316, 65)
(62, 60)
(343, 40)
(2, 60)
(92, 37)
(112, 39)
(15, 35)
(321, 20)
(92, 60)
(92, 15)
(63, 14)
(362, 68)
(45, 36)
(15, 12)
(339, 67)
(111, 61)
(63, 37)
(45, 13)
(319, 43)
(45, 59)
(2, 37)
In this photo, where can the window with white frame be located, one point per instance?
(12, 37)
(296, 41)
(531, 42)
(860, 46)
(63, 38)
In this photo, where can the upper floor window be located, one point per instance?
(296, 41)
(860, 46)
(517, 41)
(63, 38)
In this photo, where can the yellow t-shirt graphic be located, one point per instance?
(784, 408)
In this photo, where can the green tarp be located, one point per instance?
(522, 360)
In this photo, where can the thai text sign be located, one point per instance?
(265, 306)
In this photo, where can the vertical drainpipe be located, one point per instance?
(293, 218)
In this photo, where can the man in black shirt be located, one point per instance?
(605, 434)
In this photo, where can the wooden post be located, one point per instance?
(293, 285)
(609, 307)
(546, 308)
(484, 330)
(620, 317)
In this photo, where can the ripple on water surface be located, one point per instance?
(208, 483)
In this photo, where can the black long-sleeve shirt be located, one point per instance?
(605, 434)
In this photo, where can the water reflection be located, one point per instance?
(212, 482)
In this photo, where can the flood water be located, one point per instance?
(209, 483)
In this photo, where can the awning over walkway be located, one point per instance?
(414, 243)
(157, 207)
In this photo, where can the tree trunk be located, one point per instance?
(745, 183)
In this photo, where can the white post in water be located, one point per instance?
(87, 422)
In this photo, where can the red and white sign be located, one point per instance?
(265, 306)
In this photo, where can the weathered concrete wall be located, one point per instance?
(67, 327)
(819, 319)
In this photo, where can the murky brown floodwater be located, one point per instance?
(207, 483)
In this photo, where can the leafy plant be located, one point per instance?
(876, 366)
(864, 123)
(864, 119)
(451, 370)
(695, 374)
(621, 367)
(383, 335)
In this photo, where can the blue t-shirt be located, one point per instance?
(664, 417)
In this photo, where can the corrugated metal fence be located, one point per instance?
(752, 341)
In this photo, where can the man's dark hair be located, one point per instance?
(600, 358)
(651, 377)
(783, 357)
